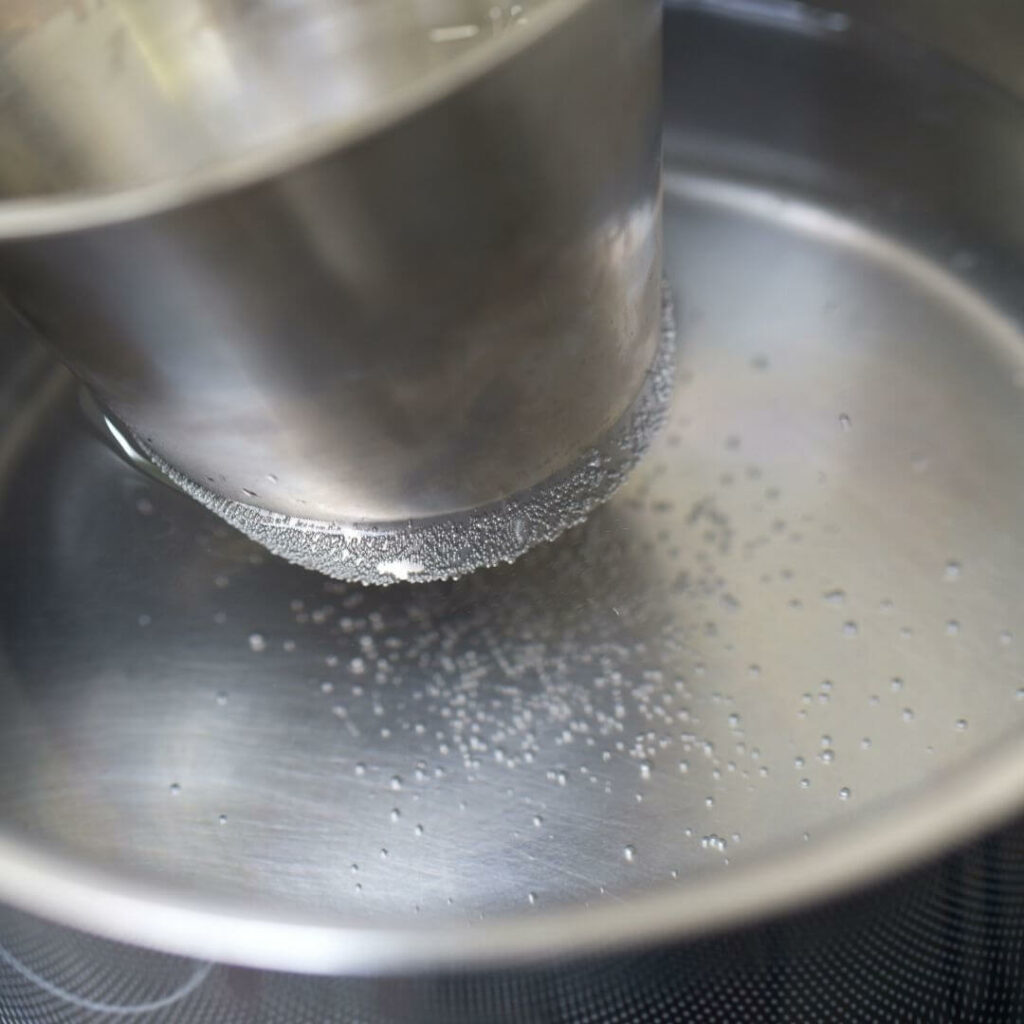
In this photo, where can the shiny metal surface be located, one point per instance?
(784, 660)
(419, 282)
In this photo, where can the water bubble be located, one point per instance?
(257, 642)
(629, 852)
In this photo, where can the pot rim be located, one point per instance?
(39, 216)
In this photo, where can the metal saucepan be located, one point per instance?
(347, 271)
(746, 745)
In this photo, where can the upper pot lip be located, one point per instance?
(36, 216)
(952, 808)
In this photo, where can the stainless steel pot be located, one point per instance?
(746, 746)
(346, 270)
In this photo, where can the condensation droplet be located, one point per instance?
(257, 642)
(844, 793)
(629, 852)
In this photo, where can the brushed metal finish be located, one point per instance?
(786, 658)
(409, 287)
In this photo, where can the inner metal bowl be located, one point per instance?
(785, 660)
